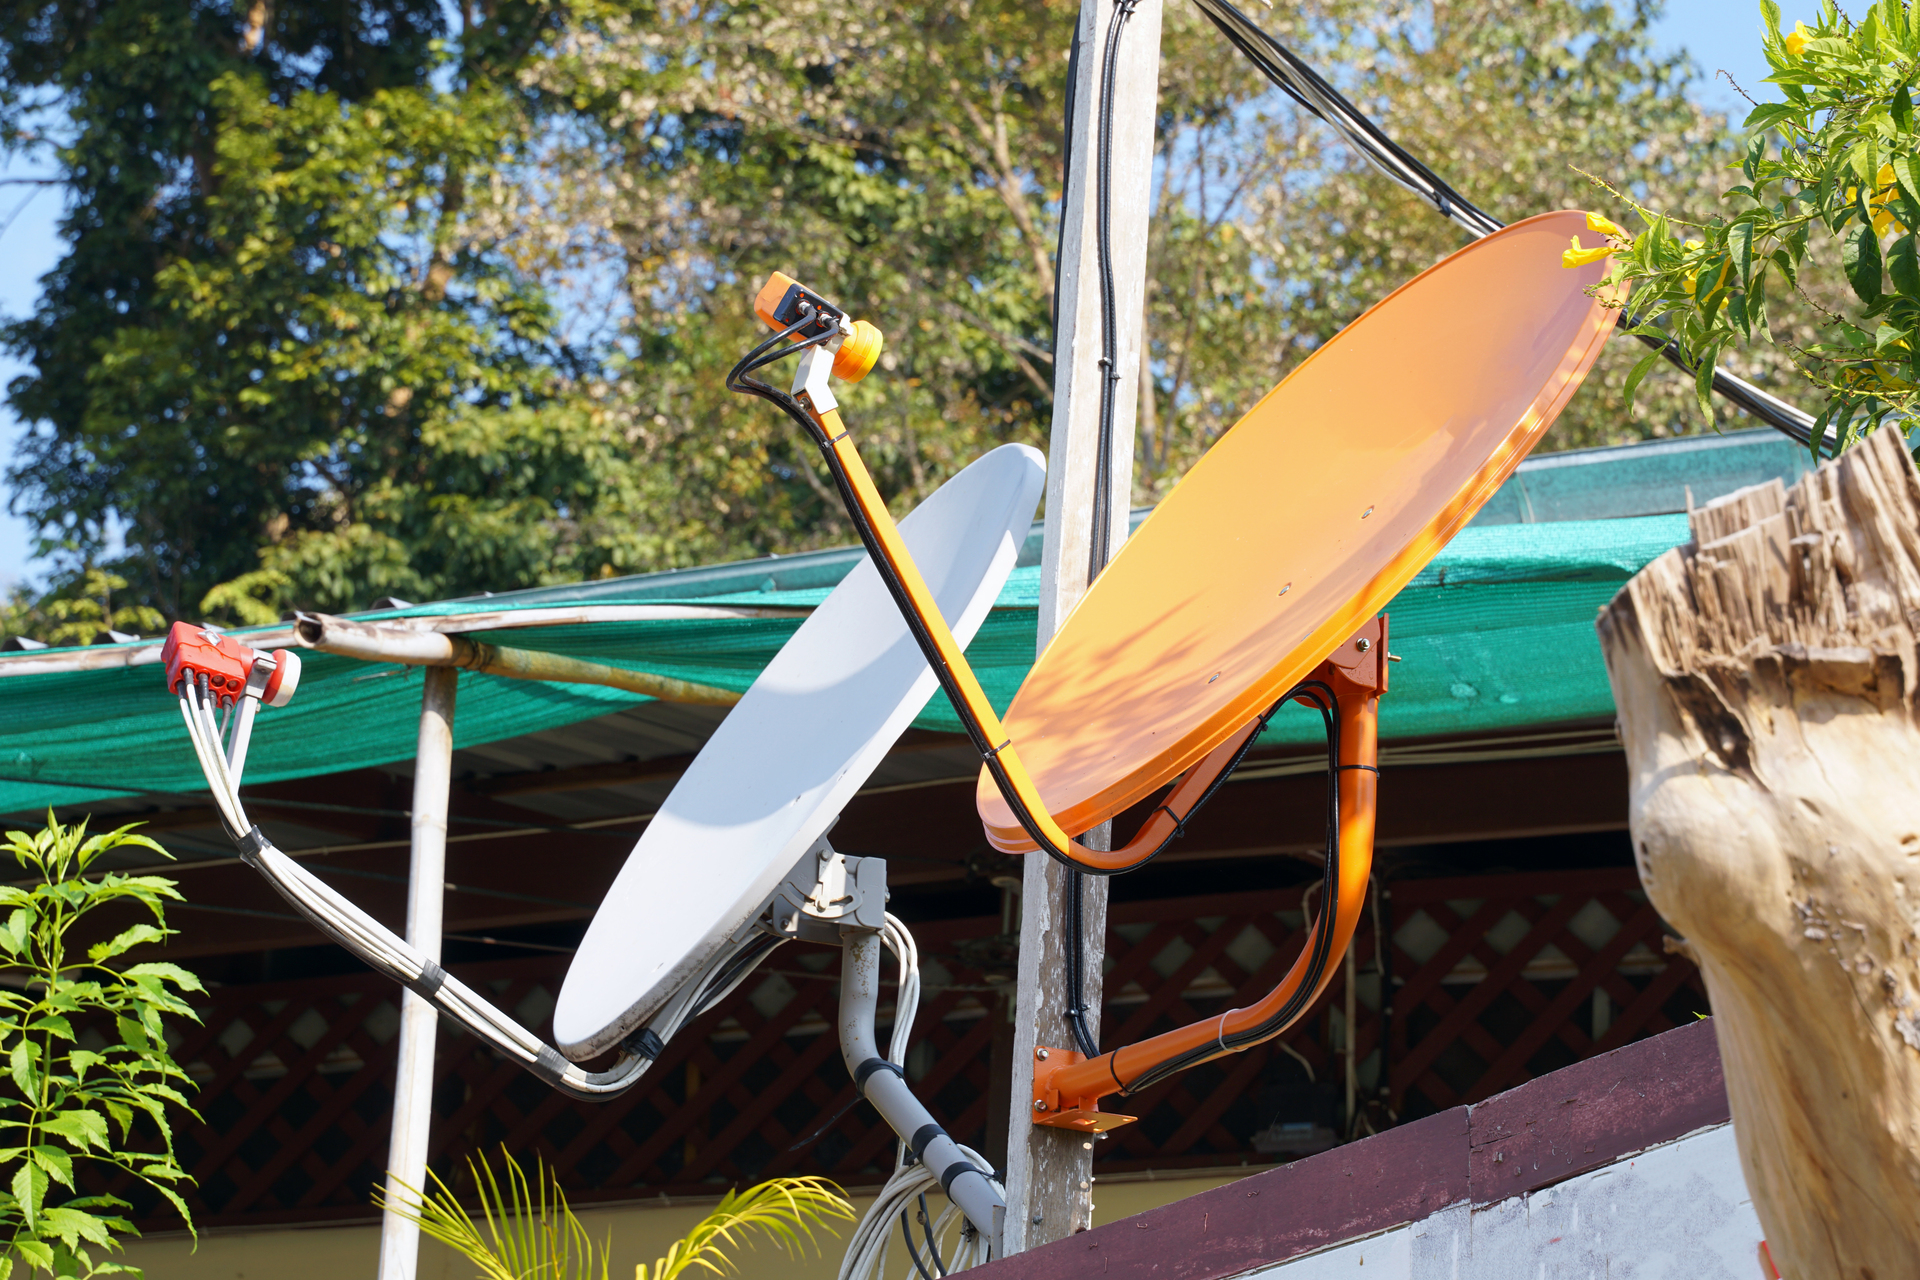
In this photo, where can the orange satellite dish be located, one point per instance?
(1267, 564)
(1302, 522)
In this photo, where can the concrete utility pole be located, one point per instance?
(1049, 1171)
(419, 1022)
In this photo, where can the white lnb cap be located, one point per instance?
(284, 680)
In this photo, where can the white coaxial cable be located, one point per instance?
(958, 1246)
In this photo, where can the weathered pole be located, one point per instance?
(1049, 1171)
(419, 1023)
(1767, 676)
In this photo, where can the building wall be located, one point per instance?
(640, 1233)
(1680, 1209)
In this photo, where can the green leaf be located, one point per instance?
(23, 1063)
(1740, 246)
(36, 1254)
(1903, 266)
(1887, 335)
(126, 939)
(1862, 160)
(171, 972)
(1860, 259)
(1642, 367)
(1737, 314)
(29, 1189)
(57, 1163)
(81, 1129)
(1703, 384)
(1770, 14)
(1903, 109)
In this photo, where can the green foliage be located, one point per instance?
(354, 312)
(78, 610)
(90, 1078)
(1830, 195)
(530, 1232)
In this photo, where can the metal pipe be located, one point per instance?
(378, 642)
(886, 1088)
(419, 1021)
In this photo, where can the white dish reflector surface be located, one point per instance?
(788, 758)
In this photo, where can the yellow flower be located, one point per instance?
(1797, 39)
(1884, 185)
(1578, 257)
(1606, 228)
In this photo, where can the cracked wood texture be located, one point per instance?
(1765, 675)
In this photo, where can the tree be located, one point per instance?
(293, 335)
(1822, 219)
(448, 308)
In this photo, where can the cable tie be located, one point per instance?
(548, 1064)
(1370, 768)
(252, 845)
(953, 1172)
(868, 1069)
(432, 978)
(1220, 1029)
(922, 1138)
(644, 1044)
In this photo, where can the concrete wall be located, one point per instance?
(640, 1233)
(1674, 1212)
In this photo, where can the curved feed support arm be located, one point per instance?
(884, 1085)
(816, 410)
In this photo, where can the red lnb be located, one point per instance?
(226, 664)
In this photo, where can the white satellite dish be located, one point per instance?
(776, 774)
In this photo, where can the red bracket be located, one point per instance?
(226, 664)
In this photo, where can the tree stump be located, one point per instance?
(1765, 676)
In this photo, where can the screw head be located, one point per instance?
(1040, 1054)
(1363, 644)
(1039, 1104)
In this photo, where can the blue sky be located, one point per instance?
(1720, 34)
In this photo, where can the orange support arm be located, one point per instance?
(1067, 1087)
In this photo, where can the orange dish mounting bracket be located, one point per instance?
(1067, 1086)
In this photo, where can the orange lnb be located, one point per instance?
(858, 353)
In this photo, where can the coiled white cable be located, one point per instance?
(959, 1246)
(338, 917)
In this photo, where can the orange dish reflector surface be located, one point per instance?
(1303, 521)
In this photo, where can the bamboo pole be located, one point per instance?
(377, 642)
(419, 1022)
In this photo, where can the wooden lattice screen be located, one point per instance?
(1495, 979)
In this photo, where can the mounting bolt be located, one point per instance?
(1039, 1104)
(1040, 1054)
(1363, 644)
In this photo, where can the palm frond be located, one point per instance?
(784, 1210)
(530, 1231)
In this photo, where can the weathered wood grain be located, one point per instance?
(1765, 677)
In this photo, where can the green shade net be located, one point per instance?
(1496, 633)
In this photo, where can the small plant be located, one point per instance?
(64, 1106)
(532, 1234)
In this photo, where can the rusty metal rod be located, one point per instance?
(386, 642)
